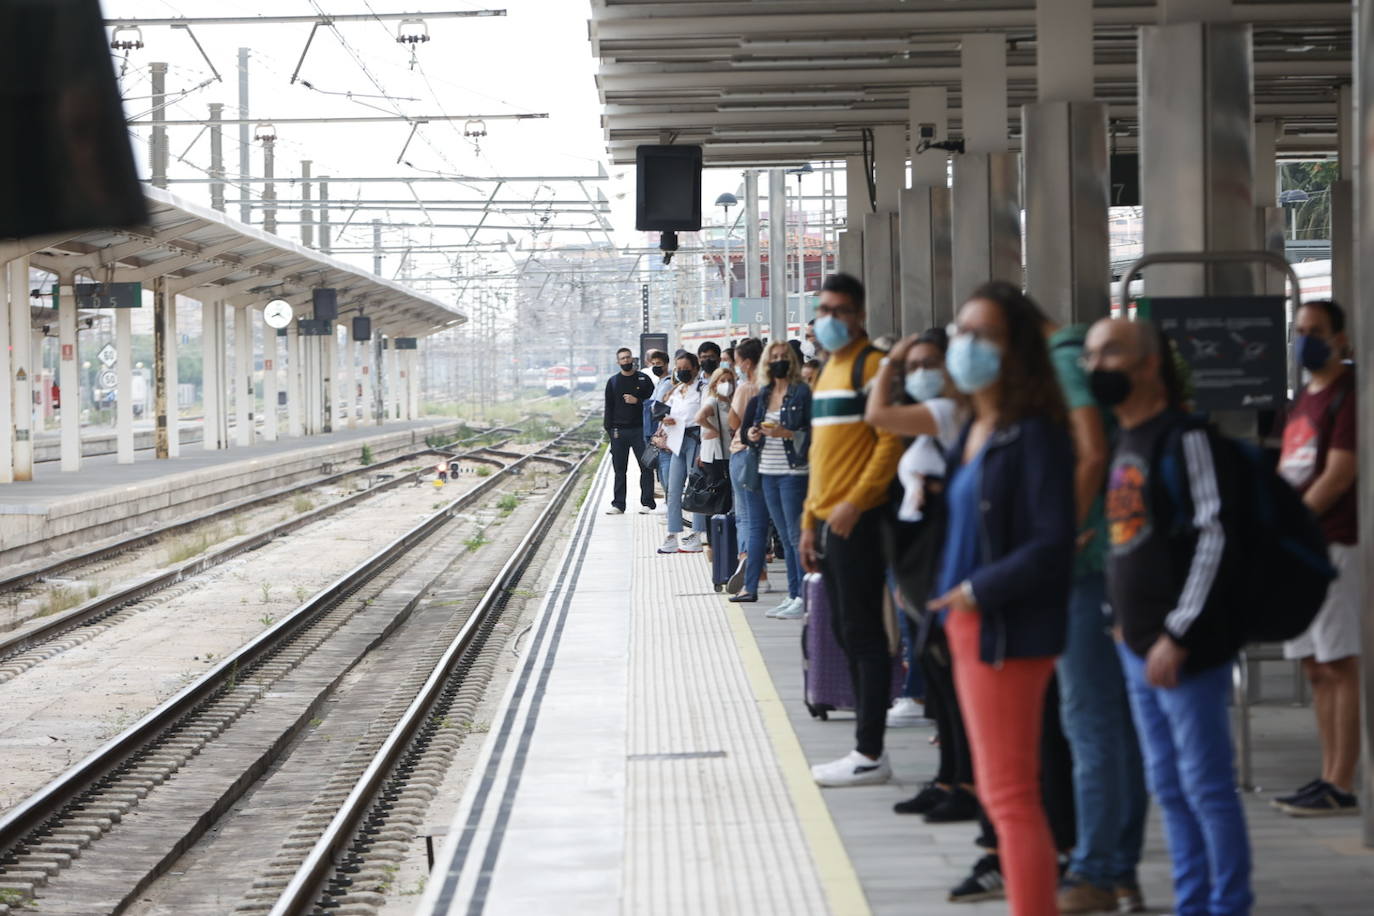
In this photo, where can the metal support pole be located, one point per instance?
(307, 214)
(157, 141)
(328, 359)
(69, 375)
(269, 190)
(350, 375)
(124, 387)
(271, 364)
(293, 382)
(245, 165)
(173, 340)
(753, 264)
(212, 396)
(367, 371)
(217, 155)
(243, 376)
(21, 368)
(324, 215)
(777, 255)
(160, 367)
(378, 402)
(1364, 369)
(377, 252)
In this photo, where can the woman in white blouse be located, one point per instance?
(684, 441)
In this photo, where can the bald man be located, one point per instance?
(1176, 638)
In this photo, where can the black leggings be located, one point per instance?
(1056, 780)
(942, 704)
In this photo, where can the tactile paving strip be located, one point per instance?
(710, 824)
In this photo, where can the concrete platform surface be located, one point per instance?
(652, 756)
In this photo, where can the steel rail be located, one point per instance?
(49, 802)
(305, 886)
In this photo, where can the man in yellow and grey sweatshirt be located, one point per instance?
(852, 466)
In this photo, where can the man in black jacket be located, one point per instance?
(624, 422)
(1169, 502)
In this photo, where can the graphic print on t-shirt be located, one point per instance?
(1298, 460)
(1128, 518)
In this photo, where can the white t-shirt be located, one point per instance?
(925, 457)
(684, 402)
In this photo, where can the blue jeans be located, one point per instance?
(683, 462)
(912, 685)
(751, 519)
(1108, 779)
(665, 464)
(1185, 736)
(784, 495)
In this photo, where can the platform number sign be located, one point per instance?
(106, 295)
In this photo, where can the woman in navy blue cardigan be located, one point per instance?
(1006, 570)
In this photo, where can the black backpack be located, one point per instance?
(1282, 572)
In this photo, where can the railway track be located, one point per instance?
(22, 649)
(218, 735)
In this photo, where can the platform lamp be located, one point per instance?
(725, 202)
(800, 171)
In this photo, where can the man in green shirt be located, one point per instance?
(1108, 778)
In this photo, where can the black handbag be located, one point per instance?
(913, 549)
(707, 491)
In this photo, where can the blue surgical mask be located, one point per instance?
(974, 364)
(831, 332)
(924, 384)
(1313, 353)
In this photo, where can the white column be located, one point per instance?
(124, 387)
(212, 393)
(413, 370)
(243, 376)
(7, 380)
(329, 365)
(350, 361)
(889, 160)
(293, 388)
(40, 418)
(310, 384)
(21, 368)
(368, 373)
(270, 364)
(69, 376)
(983, 73)
(393, 382)
(173, 379)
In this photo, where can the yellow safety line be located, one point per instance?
(836, 872)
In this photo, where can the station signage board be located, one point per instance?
(756, 309)
(1236, 347)
(407, 343)
(104, 295)
(313, 327)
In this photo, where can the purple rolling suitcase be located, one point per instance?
(724, 549)
(825, 669)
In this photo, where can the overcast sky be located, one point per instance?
(534, 59)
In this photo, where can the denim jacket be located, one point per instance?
(1027, 530)
(794, 415)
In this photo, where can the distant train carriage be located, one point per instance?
(724, 333)
(557, 381)
(586, 378)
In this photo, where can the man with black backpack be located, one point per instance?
(1171, 494)
(1318, 459)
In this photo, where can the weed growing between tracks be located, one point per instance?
(193, 545)
(367, 456)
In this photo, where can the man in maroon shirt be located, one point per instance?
(1318, 458)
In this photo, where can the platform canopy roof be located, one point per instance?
(206, 255)
(772, 81)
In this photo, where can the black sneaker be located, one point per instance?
(959, 806)
(924, 800)
(1324, 801)
(1281, 800)
(983, 883)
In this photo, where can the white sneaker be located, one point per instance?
(774, 612)
(645, 510)
(853, 769)
(793, 611)
(614, 511)
(905, 713)
(659, 510)
(669, 544)
(690, 543)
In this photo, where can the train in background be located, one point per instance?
(724, 333)
(587, 379)
(557, 381)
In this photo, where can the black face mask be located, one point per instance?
(779, 368)
(685, 375)
(627, 368)
(1110, 387)
(658, 371)
(709, 365)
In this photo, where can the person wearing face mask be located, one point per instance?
(1318, 459)
(626, 392)
(933, 420)
(663, 383)
(708, 355)
(1005, 575)
(684, 442)
(1177, 635)
(714, 417)
(777, 425)
(852, 466)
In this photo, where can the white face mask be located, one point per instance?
(724, 389)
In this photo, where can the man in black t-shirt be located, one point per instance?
(624, 422)
(1168, 549)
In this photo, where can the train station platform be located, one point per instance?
(652, 755)
(57, 509)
